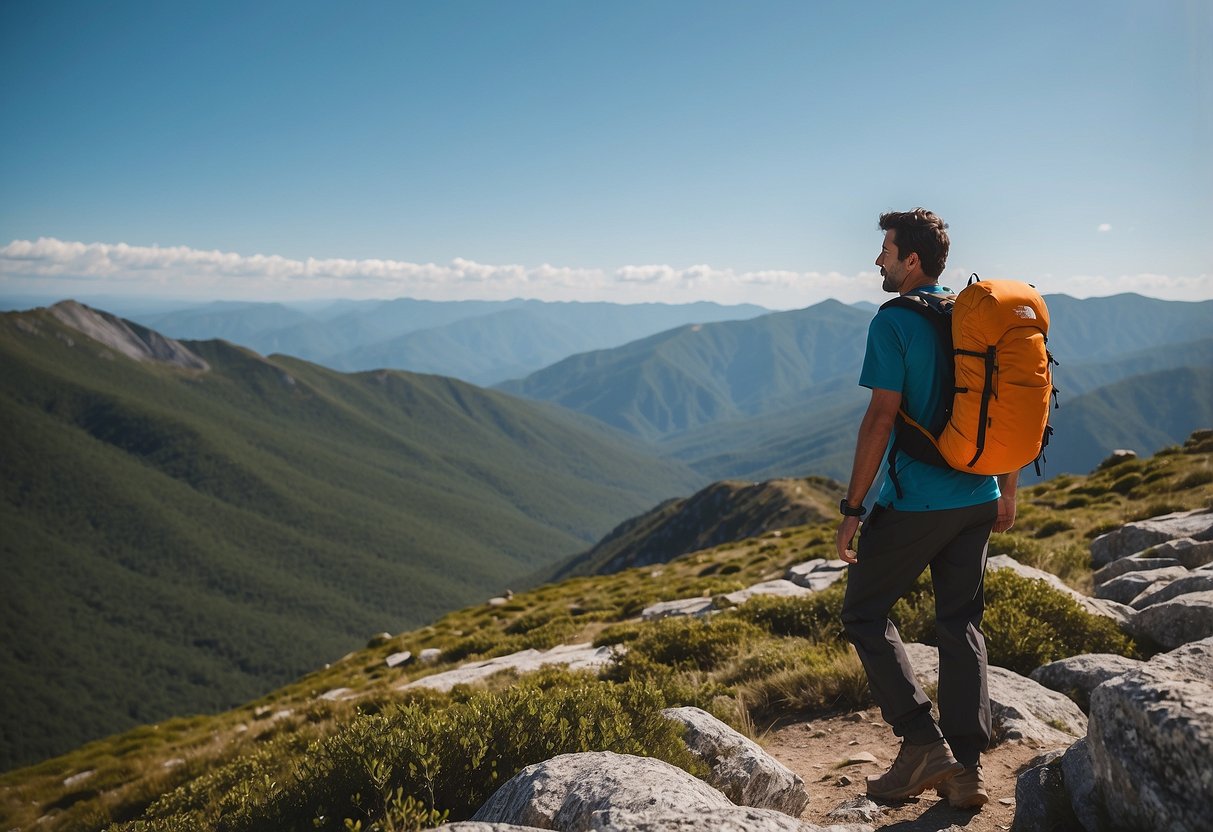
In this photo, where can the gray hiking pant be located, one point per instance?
(894, 549)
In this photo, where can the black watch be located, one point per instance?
(849, 510)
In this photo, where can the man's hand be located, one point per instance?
(1006, 513)
(1007, 485)
(846, 534)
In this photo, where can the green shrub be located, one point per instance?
(1053, 527)
(1029, 623)
(1154, 509)
(396, 769)
(816, 617)
(1127, 483)
(698, 643)
(1195, 479)
(1077, 501)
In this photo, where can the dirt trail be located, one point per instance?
(817, 750)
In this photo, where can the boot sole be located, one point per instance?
(914, 791)
(973, 802)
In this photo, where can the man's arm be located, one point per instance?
(870, 449)
(1007, 484)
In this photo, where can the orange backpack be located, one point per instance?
(997, 421)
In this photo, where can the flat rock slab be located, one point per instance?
(1133, 563)
(564, 792)
(738, 819)
(1021, 709)
(1151, 741)
(816, 574)
(779, 587)
(477, 826)
(1181, 620)
(1077, 676)
(1188, 551)
(1120, 613)
(1136, 537)
(683, 606)
(574, 656)
(745, 773)
(1161, 591)
(1128, 586)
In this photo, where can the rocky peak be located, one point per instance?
(128, 338)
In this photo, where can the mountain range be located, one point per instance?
(483, 342)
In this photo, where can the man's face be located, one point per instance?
(891, 269)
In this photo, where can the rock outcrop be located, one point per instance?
(1141, 535)
(1146, 761)
(129, 339)
(740, 769)
(1151, 741)
(1128, 586)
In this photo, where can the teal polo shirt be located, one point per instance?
(903, 355)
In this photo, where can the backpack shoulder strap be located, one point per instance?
(909, 436)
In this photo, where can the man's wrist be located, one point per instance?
(846, 509)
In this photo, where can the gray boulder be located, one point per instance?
(1120, 613)
(1133, 563)
(1085, 798)
(565, 792)
(1077, 676)
(1041, 801)
(1151, 741)
(1181, 620)
(1188, 551)
(1021, 709)
(1161, 591)
(746, 774)
(1135, 537)
(737, 819)
(1131, 584)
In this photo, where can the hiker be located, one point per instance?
(925, 515)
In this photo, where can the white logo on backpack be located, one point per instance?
(1025, 312)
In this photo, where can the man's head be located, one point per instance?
(915, 249)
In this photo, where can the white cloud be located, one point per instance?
(1104, 227)
(48, 266)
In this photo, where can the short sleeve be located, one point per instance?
(884, 362)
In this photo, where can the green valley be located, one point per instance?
(179, 540)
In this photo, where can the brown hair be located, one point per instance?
(921, 232)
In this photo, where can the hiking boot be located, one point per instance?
(917, 767)
(967, 790)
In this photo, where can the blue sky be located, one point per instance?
(653, 150)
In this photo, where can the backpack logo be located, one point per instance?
(1025, 312)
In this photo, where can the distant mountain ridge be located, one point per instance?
(776, 395)
(483, 342)
(177, 539)
(723, 512)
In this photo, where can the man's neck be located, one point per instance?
(917, 282)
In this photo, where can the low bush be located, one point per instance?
(407, 767)
(1127, 483)
(1029, 623)
(815, 617)
(1052, 527)
(691, 643)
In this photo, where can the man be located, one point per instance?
(942, 522)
